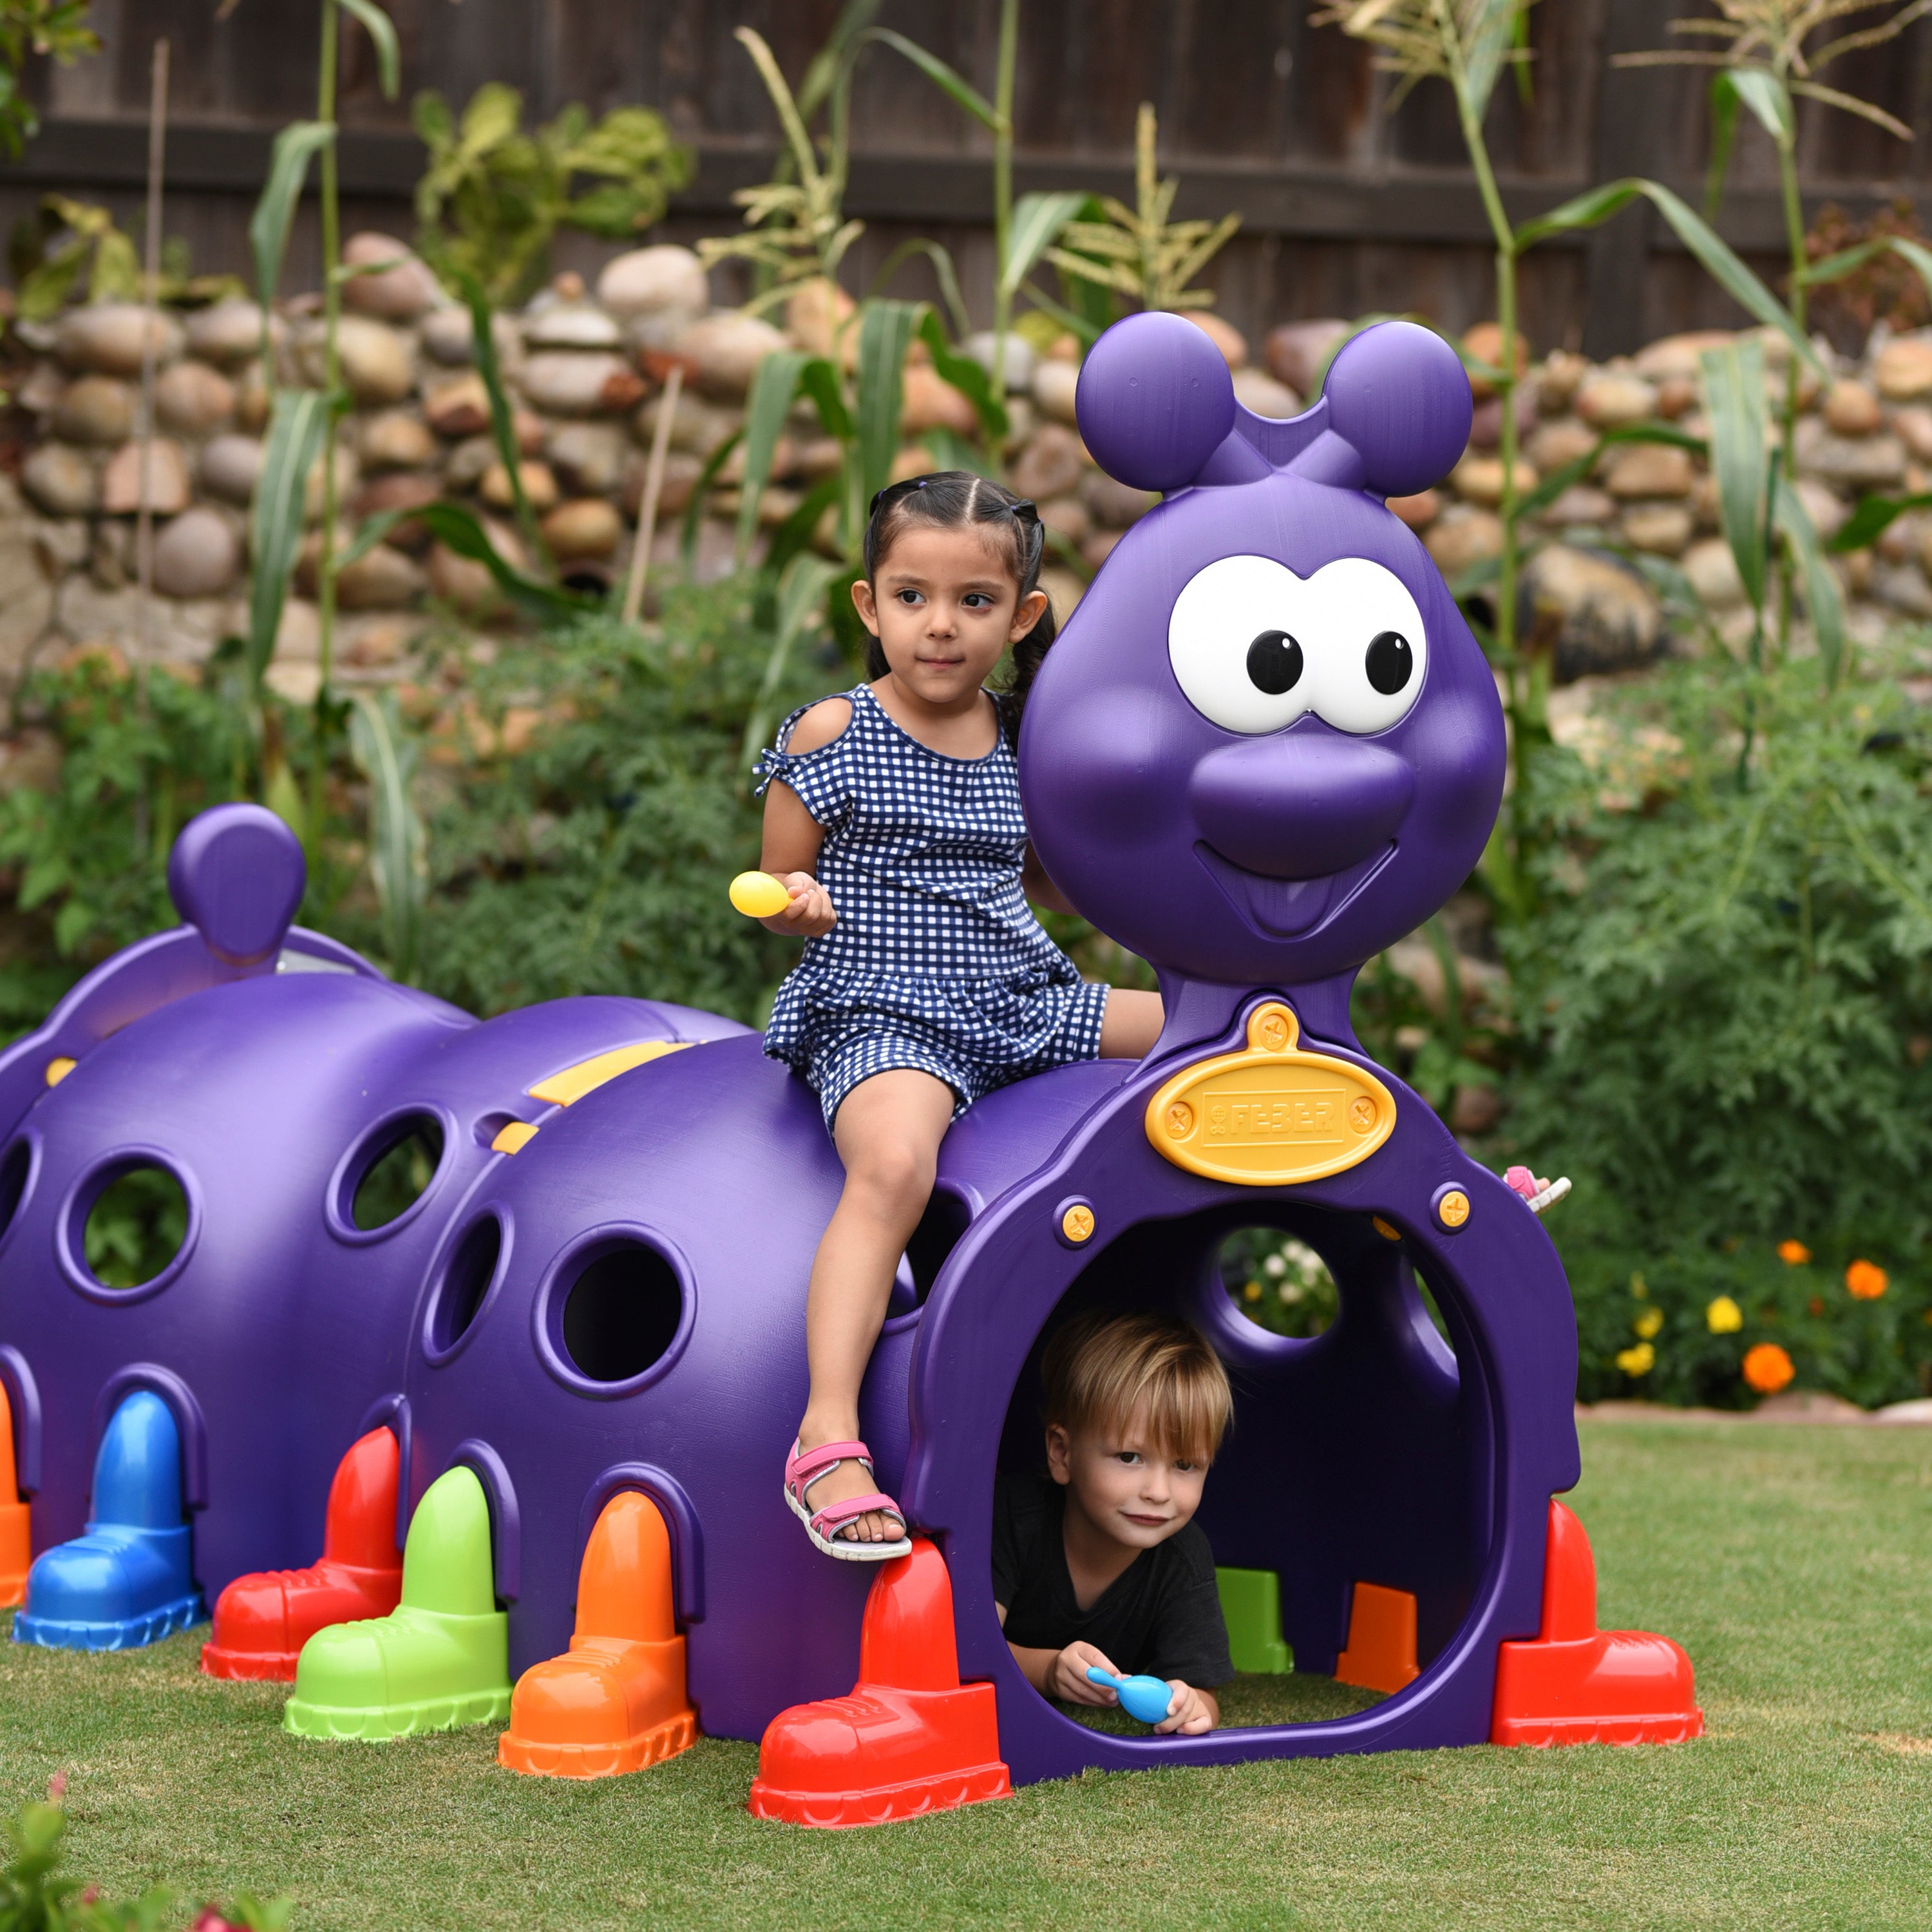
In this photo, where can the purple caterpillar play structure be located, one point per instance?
(1266, 747)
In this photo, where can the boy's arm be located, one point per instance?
(1062, 1673)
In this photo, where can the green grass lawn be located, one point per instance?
(1794, 1563)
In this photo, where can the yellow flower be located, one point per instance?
(1647, 1323)
(1723, 1316)
(1640, 1287)
(1866, 1280)
(1252, 1292)
(1794, 1252)
(1637, 1361)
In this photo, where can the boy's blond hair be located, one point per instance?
(1100, 1369)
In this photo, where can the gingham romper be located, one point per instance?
(936, 960)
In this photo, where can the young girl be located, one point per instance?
(893, 817)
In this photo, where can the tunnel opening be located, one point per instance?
(466, 1282)
(1359, 1453)
(391, 1171)
(16, 1168)
(135, 1225)
(618, 1314)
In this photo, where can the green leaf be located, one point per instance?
(1823, 596)
(1713, 254)
(1765, 94)
(1869, 521)
(1734, 397)
(951, 451)
(398, 844)
(952, 84)
(268, 227)
(772, 389)
(503, 422)
(971, 379)
(298, 424)
(795, 532)
(1553, 485)
(381, 31)
(1489, 36)
(819, 379)
(693, 511)
(1036, 221)
(885, 333)
(802, 587)
(459, 528)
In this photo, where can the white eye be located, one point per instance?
(1254, 646)
(1235, 640)
(1370, 652)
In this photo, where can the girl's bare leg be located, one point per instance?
(1130, 1025)
(887, 1132)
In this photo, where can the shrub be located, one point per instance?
(1725, 1011)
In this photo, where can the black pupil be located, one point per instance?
(1274, 662)
(1391, 663)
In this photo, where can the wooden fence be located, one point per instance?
(1345, 207)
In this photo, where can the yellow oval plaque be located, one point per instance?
(1271, 1114)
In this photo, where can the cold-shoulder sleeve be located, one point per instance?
(822, 778)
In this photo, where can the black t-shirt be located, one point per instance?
(1162, 1614)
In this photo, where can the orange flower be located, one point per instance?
(1767, 1368)
(1796, 1252)
(1866, 1280)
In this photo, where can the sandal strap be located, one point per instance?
(835, 1517)
(803, 1471)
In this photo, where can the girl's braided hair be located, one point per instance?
(951, 499)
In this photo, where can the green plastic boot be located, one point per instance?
(440, 1659)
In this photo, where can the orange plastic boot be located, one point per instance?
(17, 1554)
(911, 1738)
(262, 1620)
(615, 1701)
(1576, 1685)
(1380, 1652)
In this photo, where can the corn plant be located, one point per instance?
(55, 28)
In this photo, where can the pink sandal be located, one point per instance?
(805, 1467)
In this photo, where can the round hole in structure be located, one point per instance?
(395, 1171)
(14, 1169)
(136, 1226)
(1278, 1282)
(466, 1281)
(622, 1313)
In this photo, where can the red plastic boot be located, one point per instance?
(911, 1738)
(262, 1620)
(17, 1554)
(1576, 1685)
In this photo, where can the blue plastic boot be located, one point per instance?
(130, 1580)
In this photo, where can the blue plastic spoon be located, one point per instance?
(1146, 1698)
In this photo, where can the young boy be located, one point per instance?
(1103, 1564)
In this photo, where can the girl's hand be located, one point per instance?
(1068, 1679)
(810, 915)
(1190, 1712)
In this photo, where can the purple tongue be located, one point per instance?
(1286, 907)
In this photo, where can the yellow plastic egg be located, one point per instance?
(759, 896)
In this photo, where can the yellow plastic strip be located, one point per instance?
(561, 1090)
(514, 1135)
(58, 1069)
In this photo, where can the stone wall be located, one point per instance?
(587, 369)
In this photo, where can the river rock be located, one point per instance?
(399, 294)
(1479, 479)
(107, 338)
(1225, 336)
(458, 407)
(397, 439)
(723, 351)
(229, 465)
(1484, 343)
(398, 490)
(1851, 409)
(192, 400)
(1419, 510)
(681, 471)
(1609, 618)
(930, 402)
(646, 280)
(1257, 390)
(345, 477)
(1640, 469)
(1054, 383)
(377, 366)
(168, 488)
(1713, 572)
(1904, 370)
(586, 528)
(1020, 357)
(60, 480)
(1824, 506)
(1854, 463)
(97, 409)
(1297, 352)
(467, 584)
(198, 555)
(227, 333)
(1606, 400)
(575, 383)
(571, 325)
(468, 464)
(586, 457)
(1051, 465)
(383, 580)
(1679, 357)
(540, 487)
(253, 402)
(449, 336)
(1913, 427)
(1662, 529)
(1553, 444)
(1114, 505)
(816, 313)
(1581, 503)
(1463, 536)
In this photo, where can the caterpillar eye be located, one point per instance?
(1390, 664)
(1274, 663)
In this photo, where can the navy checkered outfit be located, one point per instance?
(936, 960)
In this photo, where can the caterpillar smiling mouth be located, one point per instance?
(1288, 908)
